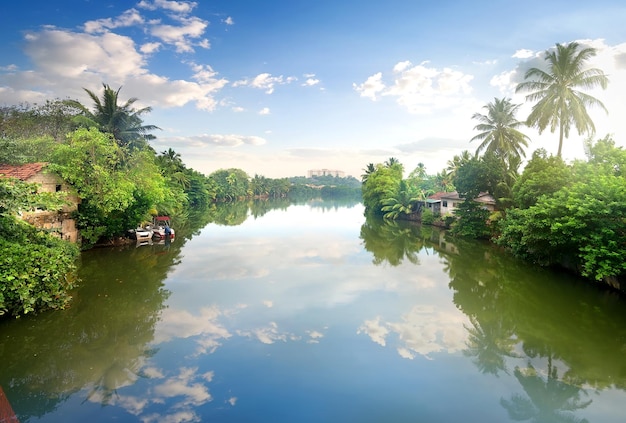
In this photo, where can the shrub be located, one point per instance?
(37, 269)
(428, 217)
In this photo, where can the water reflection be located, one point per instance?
(519, 317)
(100, 343)
(313, 313)
(547, 398)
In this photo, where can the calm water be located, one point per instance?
(310, 313)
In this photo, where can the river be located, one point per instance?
(312, 313)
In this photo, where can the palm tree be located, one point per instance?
(122, 121)
(369, 169)
(498, 131)
(559, 103)
(456, 162)
(405, 203)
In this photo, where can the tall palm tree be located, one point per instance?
(498, 131)
(559, 102)
(369, 169)
(122, 121)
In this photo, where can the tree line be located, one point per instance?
(550, 213)
(103, 153)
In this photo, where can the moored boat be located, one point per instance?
(162, 228)
(141, 233)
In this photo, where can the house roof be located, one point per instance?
(22, 172)
(439, 195)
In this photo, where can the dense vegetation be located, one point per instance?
(553, 213)
(104, 154)
(37, 268)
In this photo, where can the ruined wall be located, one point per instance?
(56, 223)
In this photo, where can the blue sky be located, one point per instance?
(280, 87)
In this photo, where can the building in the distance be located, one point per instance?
(326, 172)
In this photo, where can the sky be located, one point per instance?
(281, 87)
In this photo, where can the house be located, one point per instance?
(58, 223)
(444, 203)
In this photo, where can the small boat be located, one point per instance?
(141, 233)
(162, 228)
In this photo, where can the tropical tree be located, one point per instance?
(559, 102)
(369, 169)
(404, 204)
(123, 121)
(498, 131)
(381, 184)
(456, 162)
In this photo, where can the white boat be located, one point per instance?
(162, 228)
(141, 233)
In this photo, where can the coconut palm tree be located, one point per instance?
(369, 169)
(456, 162)
(556, 91)
(122, 121)
(498, 131)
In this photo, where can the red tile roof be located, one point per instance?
(22, 172)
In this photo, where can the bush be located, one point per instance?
(37, 269)
(428, 217)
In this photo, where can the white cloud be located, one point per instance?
(420, 89)
(523, 54)
(181, 36)
(267, 335)
(130, 17)
(371, 87)
(64, 54)
(194, 393)
(229, 21)
(423, 330)
(311, 80)
(374, 330)
(264, 111)
(183, 324)
(182, 7)
(149, 48)
(65, 61)
(265, 81)
(222, 140)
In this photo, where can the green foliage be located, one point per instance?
(472, 221)
(17, 196)
(479, 174)
(231, 184)
(123, 121)
(428, 217)
(498, 131)
(53, 119)
(381, 184)
(404, 204)
(37, 269)
(583, 224)
(556, 90)
(543, 175)
(117, 189)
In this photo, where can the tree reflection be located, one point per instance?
(102, 341)
(519, 312)
(547, 399)
(392, 241)
(489, 343)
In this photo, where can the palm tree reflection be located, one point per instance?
(490, 343)
(547, 400)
